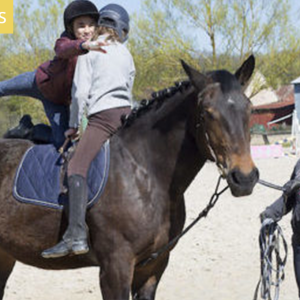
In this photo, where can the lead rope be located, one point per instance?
(269, 241)
(270, 237)
(271, 185)
(167, 248)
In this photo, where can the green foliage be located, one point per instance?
(251, 25)
(281, 64)
(212, 34)
(157, 47)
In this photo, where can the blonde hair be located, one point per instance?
(112, 34)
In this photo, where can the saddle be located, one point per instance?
(41, 176)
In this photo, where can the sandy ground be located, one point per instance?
(218, 259)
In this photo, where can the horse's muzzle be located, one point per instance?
(242, 184)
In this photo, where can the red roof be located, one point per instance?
(275, 105)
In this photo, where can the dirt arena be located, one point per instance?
(218, 259)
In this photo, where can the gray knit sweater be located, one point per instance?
(102, 81)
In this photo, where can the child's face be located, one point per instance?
(84, 27)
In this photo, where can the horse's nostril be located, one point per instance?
(237, 177)
(242, 184)
(254, 175)
(234, 177)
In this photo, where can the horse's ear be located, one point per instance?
(198, 80)
(244, 73)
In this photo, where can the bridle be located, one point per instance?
(200, 124)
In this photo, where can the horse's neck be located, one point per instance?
(162, 145)
(189, 161)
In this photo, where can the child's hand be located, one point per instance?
(72, 133)
(94, 45)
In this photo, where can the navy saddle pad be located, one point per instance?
(37, 180)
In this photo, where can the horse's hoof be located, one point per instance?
(61, 249)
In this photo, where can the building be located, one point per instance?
(270, 108)
(275, 113)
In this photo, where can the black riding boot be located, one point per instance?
(22, 131)
(74, 240)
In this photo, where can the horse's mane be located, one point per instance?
(156, 101)
(227, 80)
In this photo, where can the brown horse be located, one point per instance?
(154, 158)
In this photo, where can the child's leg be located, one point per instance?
(25, 85)
(58, 116)
(101, 127)
(21, 85)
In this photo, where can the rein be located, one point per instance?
(167, 248)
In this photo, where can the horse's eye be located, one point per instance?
(209, 113)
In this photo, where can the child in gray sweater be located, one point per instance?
(102, 84)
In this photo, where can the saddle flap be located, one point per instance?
(37, 180)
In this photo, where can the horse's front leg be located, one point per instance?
(146, 279)
(116, 276)
(6, 266)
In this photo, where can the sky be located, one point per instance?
(295, 4)
(134, 6)
(131, 6)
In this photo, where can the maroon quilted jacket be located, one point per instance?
(54, 77)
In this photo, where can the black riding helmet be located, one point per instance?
(78, 8)
(116, 17)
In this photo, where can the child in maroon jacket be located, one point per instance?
(52, 81)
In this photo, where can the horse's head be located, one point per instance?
(222, 123)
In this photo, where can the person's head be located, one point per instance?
(114, 20)
(80, 19)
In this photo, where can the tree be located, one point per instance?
(281, 63)
(212, 34)
(157, 47)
